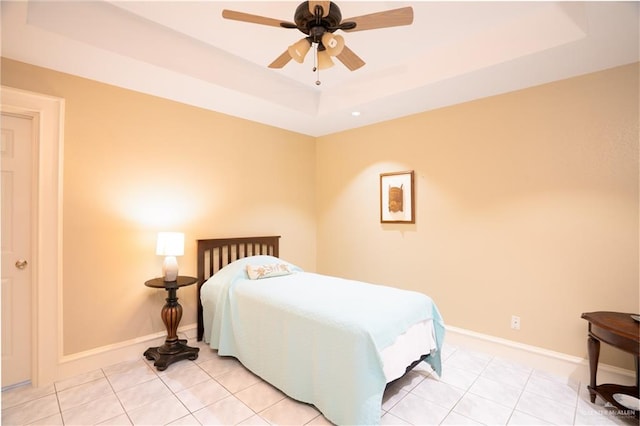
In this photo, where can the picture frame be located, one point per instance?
(397, 199)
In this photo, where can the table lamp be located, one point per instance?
(170, 245)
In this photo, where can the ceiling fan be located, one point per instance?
(319, 20)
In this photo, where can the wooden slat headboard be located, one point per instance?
(215, 254)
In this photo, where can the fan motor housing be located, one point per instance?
(306, 21)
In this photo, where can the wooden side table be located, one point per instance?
(174, 349)
(621, 331)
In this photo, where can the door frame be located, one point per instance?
(46, 257)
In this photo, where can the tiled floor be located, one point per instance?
(475, 388)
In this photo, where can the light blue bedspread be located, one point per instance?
(314, 337)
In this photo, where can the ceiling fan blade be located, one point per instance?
(256, 19)
(281, 60)
(350, 59)
(388, 18)
(325, 7)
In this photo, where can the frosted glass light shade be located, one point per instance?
(299, 49)
(324, 60)
(333, 43)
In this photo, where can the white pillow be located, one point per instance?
(257, 272)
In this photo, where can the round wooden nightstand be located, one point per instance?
(174, 349)
(619, 330)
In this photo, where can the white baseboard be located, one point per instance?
(558, 363)
(129, 350)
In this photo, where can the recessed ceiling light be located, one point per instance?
(355, 113)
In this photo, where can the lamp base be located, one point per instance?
(170, 269)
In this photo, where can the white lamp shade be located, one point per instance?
(170, 244)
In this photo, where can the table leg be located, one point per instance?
(171, 315)
(173, 348)
(593, 347)
(638, 373)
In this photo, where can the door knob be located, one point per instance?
(21, 264)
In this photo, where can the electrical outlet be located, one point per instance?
(515, 322)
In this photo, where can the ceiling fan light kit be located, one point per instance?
(319, 20)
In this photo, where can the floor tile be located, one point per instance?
(254, 421)
(389, 419)
(546, 409)
(496, 391)
(132, 375)
(205, 354)
(21, 394)
(457, 377)
(124, 367)
(454, 418)
(159, 412)
(143, 394)
(520, 418)
(447, 350)
(84, 393)
(507, 372)
(54, 420)
(475, 388)
(468, 361)
(220, 365)
(229, 410)
(260, 396)
(558, 390)
(202, 394)
(31, 411)
(121, 420)
(187, 420)
(238, 379)
(441, 393)
(551, 376)
(181, 379)
(96, 411)
(511, 365)
(289, 412)
(79, 380)
(319, 420)
(483, 410)
(418, 411)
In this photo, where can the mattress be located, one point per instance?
(410, 346)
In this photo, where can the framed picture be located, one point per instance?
(397, 203)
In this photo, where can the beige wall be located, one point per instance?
(527, 204)
(135, 165)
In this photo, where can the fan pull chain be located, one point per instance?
(316, 68)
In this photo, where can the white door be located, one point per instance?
(16, 149)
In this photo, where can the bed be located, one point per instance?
(327, 341)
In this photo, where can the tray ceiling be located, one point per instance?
(453, 52)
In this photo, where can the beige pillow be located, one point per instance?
(257, 272)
